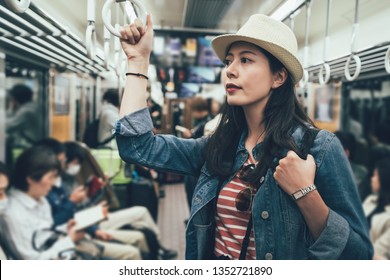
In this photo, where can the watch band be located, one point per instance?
(302, 192)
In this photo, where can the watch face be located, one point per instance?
(302, 192)
(297, 195)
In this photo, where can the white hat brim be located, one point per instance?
(221, 44)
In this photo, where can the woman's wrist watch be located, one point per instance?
(303, 192)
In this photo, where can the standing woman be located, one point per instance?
(377, 209)
(238, 192)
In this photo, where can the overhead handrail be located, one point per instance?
(387, 60)
(49, 47)
(138, 8)
(325, 66)
(372, 59)
(18, 6)
(353, 56)
(305, 78)
(90, 34)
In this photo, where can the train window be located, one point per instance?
(25, 105)
(368, 107)
(366, 114)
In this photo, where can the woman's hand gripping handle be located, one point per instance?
(136, 40)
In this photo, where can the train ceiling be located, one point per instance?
(58, 27)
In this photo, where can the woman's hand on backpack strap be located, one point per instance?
(294, 173)
(137, 39)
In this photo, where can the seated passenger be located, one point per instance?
(23, 125)
(137, 217)
(360, 172)
(377, 209)
(109, 114)
(28, 211)
(118, 244)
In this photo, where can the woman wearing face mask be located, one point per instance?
(74, 158)
(377, 209)
(28, 210)
(68, 197)
(137, 216)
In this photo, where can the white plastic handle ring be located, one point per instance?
(322, 79)
(106, 11)
(387, 61)
(18, 6)
(90, 41)
(305, 79)
(106, 53)
(357, 70)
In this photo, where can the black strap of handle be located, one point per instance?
(307, 141)
(49, 242)
(245, 241)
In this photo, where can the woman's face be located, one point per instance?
(39, 189)
(375, 182)
(249, 79)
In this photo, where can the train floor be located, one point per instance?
(173, 211)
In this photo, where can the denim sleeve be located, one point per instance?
(137, 144)
(345, 235)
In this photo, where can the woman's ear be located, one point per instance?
(279, 78)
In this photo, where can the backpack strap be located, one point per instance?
(308, 141)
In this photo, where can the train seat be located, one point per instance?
(6, 243)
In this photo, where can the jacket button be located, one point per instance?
(269, 256)
(265, 215)
(261, 179)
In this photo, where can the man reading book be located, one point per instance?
(118, 244)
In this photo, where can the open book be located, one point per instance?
(89, 216)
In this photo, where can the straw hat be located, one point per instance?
(272, 35)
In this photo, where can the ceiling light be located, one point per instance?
(286, 9)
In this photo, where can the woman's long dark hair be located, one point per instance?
(281, 114)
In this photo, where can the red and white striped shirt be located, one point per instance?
(231, 224)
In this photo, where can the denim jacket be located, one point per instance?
(279, 227)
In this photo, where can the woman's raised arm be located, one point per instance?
(136, 42)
